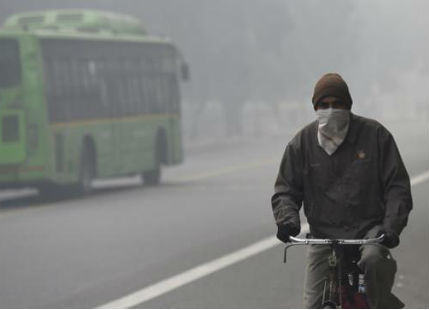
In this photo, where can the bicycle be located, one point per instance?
(344, 284)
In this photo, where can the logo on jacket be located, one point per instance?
(361, 154)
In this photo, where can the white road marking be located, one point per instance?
(152, 291)
(191, 275)
(167, 285)
(420, 178)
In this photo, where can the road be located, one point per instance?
(87, 252)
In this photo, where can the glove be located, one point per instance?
(284, 231)
(391, 239)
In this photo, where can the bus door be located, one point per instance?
(13, 138)
(12, 120)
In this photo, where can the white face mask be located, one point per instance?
(333, 128)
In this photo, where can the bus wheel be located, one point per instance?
(153, 177)
(86, 172)
(48, 191)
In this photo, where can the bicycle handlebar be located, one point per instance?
(298, 241)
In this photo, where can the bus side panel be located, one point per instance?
(37, 166)
(78, 104)
(119, 102)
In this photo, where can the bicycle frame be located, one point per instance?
(334, 289)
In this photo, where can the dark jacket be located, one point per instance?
(363, 184)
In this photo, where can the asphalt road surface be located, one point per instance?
(128, 238)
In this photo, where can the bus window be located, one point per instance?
(48, 73)
(10, 130)
(10, 67)
(143, 104)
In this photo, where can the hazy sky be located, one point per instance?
(275, 50)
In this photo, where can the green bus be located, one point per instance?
(86, 94)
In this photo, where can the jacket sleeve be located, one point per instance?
(396, 184)
(288, 190)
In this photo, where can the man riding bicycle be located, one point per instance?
(347, 172)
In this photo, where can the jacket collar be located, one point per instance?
(353, 129)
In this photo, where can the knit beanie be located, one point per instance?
(332, 84)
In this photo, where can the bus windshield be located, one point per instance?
(10, 69)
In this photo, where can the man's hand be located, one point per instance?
(284, 231)
(391, 239)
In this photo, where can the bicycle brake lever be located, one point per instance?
(285, 252)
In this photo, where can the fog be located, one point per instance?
(253, 66)
(254, 63)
